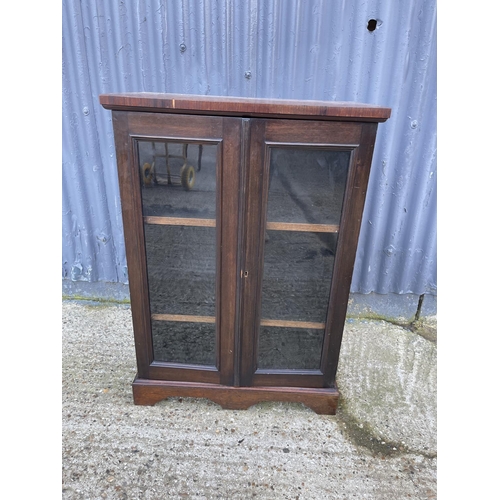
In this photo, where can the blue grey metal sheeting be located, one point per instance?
(314, 49)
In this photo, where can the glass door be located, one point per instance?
(295, 217)
(179, 207)
(180, 193)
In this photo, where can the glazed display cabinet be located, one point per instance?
(241, 220)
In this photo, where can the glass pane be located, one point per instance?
(178, 180)
(189, 343)
(290, 348)
(307, 185)
(298, 270)
(306, 189)
(181, 269)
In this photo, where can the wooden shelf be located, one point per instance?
(292, 324)
(271, 226)
(182, 317)
(211, 319)
(178, 221)
(292, 226)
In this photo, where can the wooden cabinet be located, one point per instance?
(241, 220)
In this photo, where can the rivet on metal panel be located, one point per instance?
(76, 271)
(389, 250)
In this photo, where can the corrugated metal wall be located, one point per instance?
(314, 49)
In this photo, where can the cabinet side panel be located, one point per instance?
(134, 241)
(350, 225)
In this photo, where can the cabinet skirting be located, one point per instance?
(149, 392)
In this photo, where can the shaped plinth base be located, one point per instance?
(150, 392)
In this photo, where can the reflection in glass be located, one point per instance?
(307, 185)
(290, 348)
(298, 270)
(187, 343)
(178, 180)
(181, 269)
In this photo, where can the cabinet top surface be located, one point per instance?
(244, 106)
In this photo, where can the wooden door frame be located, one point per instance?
(129, 128)
(263, 135)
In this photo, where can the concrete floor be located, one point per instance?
(380, 445)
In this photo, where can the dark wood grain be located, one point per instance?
(184, 373)
(249, 107)
(239, 363)
(324, 134)
(183, 128)
(323, 401)
(229, 260)
(290, 378)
